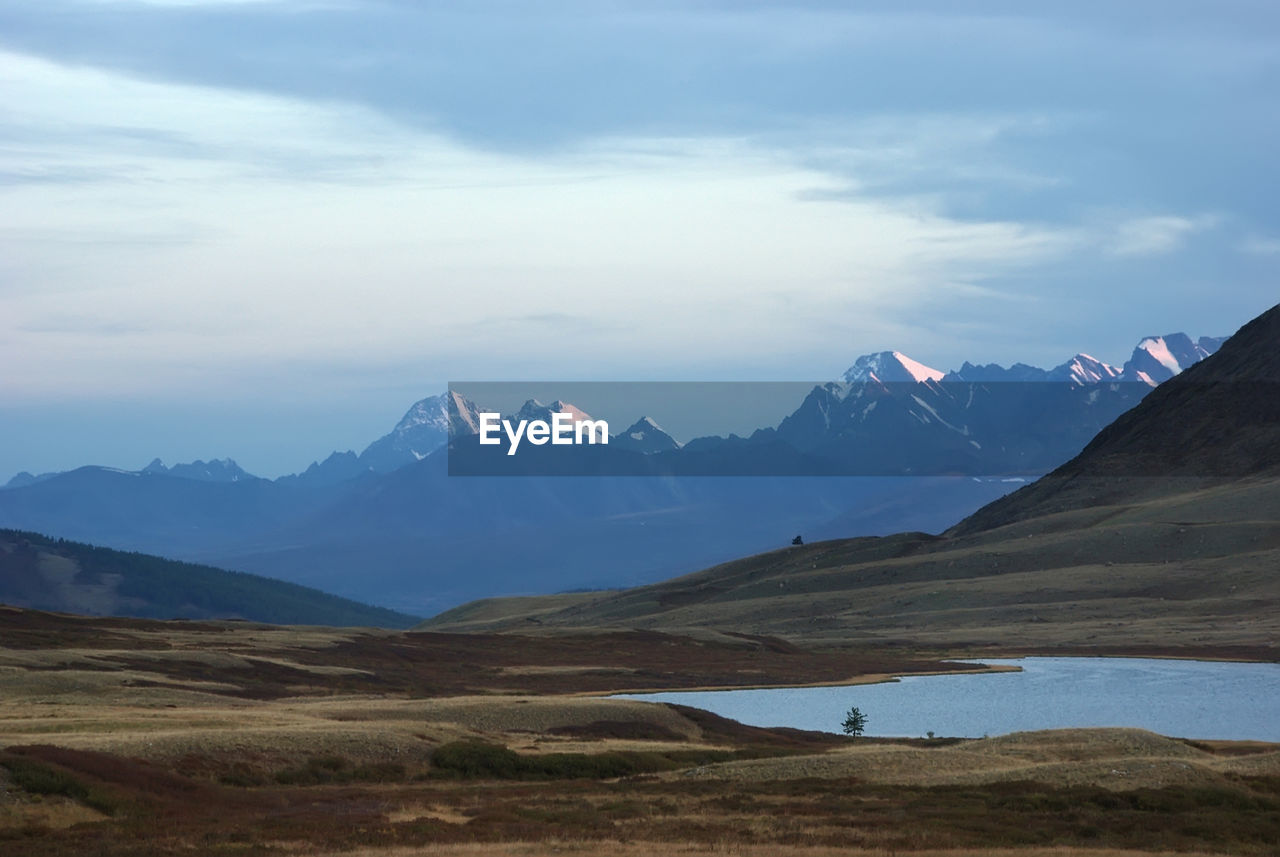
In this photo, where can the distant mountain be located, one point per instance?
(429, 423)
(215, 470)
(425, 428)
(951, 427)
(339, 467)
(992, 372)
(23, 479)
(894, 414)
(53, 574)
(159, 513)
(889, 367)
(645, 437)
(423, 540)
(1080, 370)
(1083, 369)
(891, 415)
(421, 431)
(1155, 359)
(1159, 358)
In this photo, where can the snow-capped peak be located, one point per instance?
(888, 367)
(425, 427)
(464, 416)
(431, 411)
(1084, 369)
(1159, 349)
(1156, 359)
(1159, 358)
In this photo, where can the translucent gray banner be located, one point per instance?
(931, 428)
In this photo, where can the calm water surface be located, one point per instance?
(1188, 699)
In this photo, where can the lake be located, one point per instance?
(1187, 699)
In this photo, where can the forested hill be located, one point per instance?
(54, 574)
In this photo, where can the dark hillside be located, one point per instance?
(1217, 421)
(54, 574)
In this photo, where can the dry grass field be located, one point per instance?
(656, 849)
(1120, 759)
(1180, 567)
(632, 849)
(126, 737)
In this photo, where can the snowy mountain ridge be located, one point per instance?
(1155, 359)
(890, 367)
(1159, 358)
(429, 423)
(887, 398)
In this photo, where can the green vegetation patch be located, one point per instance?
(37, 778)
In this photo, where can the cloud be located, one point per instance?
(304, 184)
(219, 231)
(506, 74)
(1156, 236)
(1260, 245)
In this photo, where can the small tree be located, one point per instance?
(854, 722)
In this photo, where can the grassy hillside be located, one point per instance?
(1191, 572)
(54, 574)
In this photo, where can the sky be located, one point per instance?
(263, 228)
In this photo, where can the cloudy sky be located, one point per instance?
(263, 228)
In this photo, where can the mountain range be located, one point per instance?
(890, 416)
(389, 526)
(430, 422)
(1155, 359)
